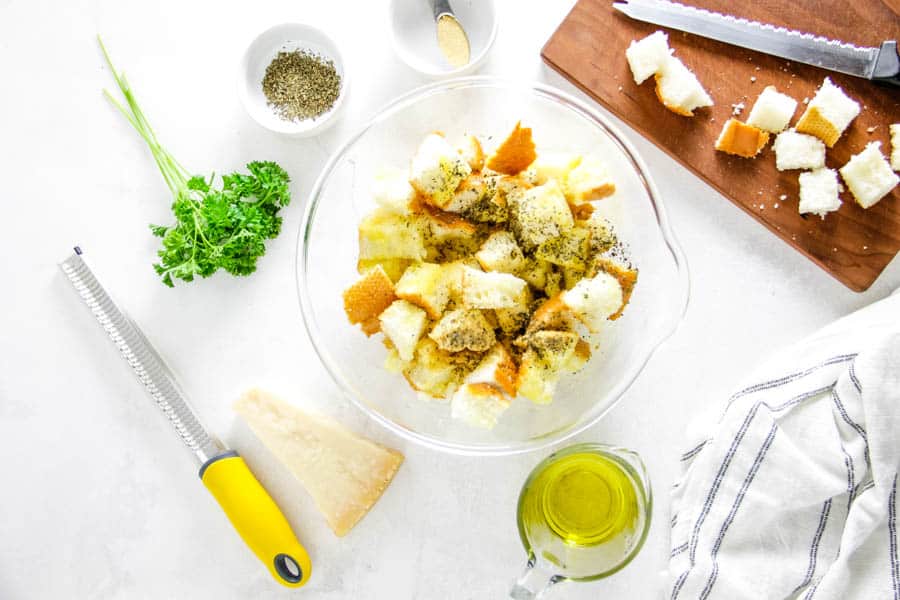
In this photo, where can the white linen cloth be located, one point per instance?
(793, 492)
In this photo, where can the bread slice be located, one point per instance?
(819, 192)
(463, 329)
(869, 175)
(741, 139)
(479, 404)
(593, 300)
(539, 214)
(679, 89)
(798, 151)
(647, 56)
(828, 114)
(895, 146)
(514, 319)
(471, 151)
(569, 251)
(403, 323)
(497, 369)
(589, 180)
(490, 290)
(772, 110)
(391, 190)
(383, 234)
(500, 252)
(515, 153)
(424, 285)
(368, 296)
(344, 473)
(437, 170)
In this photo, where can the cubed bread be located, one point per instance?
(679, 89)
(589, 180)
(369, 296)
(535, 380)
(772, 110)
(534, 271)
(490, 290)
(453, 277)
(432, 370)
(580, 357)
(819, 192)
(424, 285)
(441, 228)
(553, 165)
(391, 190)
(463, 329)
(798, 151)
(515, 153)
(472, 189)
(471, 151)
(383, 234)
(500, 252)
(554, 283)
(392, 362)
(828, 114)
(403, 323)
(489, 206)
(593, 300)
(569, 251)
(553, 314)
(479, 404)
(539, 214)
(741, 139)
(601, 233)
(571, 276)
(647, 56)
(514, 319)
(437, 170)
(626, 276)
(394, 267)
(554, 348)
(895, 146)
(496, 368)
(869, 175)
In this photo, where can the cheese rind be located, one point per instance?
(343, 472)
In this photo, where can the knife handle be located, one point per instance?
(256, 518)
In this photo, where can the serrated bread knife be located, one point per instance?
(877, 64)
(248, 506)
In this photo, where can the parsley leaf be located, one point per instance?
(216, 227)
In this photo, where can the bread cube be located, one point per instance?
(740, 139)
(453, 277)
(626, 276)
(895, 146)
(369, 296)
(552, 165)
(579, 358)
(471, 151)
(479, 404)
(589, 180)
(539, 214)
(440, 226)
(554, 283)
(869, 175)
(472, 190)
(600, 232)
(387, 235)
(593, 300)
(534, 271)
(798, 151)
(394, 267)
(570, 277)
(431, 370)
(647, 56)
(490, 204)
(463, 329)
(403, 323)
(424, 285)
(515, 153)
(496, 368)
(679, 89)
(437, 170)
(819, 192)
(500, 252)
(553, 314)
(391, 190)
(514, 319)
(554, 348)
(392, 362)
(569, 250)
(772, 110)
(828, 114)
(535, 380)
(490, 290)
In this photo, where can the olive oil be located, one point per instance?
(584, 512)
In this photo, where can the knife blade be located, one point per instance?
(881, 64)
(251, 510)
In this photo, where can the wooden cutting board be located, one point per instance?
(852, 244)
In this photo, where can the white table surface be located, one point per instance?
(97, 498)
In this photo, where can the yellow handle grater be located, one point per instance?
(247, 504)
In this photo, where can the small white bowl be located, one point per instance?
(259, 54)
(414, 34)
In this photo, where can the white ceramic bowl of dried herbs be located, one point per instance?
(293, 80)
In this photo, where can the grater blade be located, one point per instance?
(149, 367)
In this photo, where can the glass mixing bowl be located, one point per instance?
(487, 107)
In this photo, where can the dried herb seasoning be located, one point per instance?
(300, 85)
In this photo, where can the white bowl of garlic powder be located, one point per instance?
(415, 34)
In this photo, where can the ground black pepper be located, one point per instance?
(301, 85)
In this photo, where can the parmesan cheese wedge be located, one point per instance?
(343, 472)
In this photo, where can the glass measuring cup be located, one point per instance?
(583, 514)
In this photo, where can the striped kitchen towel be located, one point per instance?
(792, 494)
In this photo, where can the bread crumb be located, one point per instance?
(865, 247)
(757, 68)
(737, 109)
(753, 79)
(762, 207)
(834, 249)
(806, 101)
(620, 88)
(871, 129)
(782, 197)
(775, 205)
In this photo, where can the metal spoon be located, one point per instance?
(452, 38)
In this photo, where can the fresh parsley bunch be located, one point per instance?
(216, 228)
